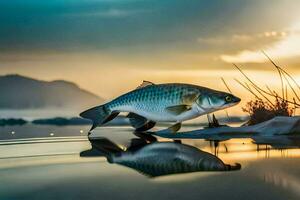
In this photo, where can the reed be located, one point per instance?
(267, 103)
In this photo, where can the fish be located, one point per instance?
(161, 158)
(170, 102)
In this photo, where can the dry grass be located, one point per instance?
(268, 103)
(259, 111)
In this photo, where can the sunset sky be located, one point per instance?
(110, 46)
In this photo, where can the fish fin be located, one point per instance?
(178, 109)
(136, 144)
(136, 120)
(105, 144)
(107, 147)
(168, 131)
(91, 153)
(190, 98)
(101, 147)
(147, 126)
(237, 166)
(111, 117)
(145, 136)
(174, 128)
(145, 84)
(99, 115)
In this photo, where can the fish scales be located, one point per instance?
(173, 102)
(152, 99)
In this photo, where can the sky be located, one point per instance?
(110, 46)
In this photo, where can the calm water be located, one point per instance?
(44, 162)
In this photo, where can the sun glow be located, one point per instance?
(287, 47)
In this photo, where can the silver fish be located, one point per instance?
(173, 102)
(162, 158)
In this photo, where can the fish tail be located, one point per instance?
(99, 115)
(103, 147)
(107, 147)
(237, 166)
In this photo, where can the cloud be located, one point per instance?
(135, 27)
(287, 47)
(244, 57)
(224, 40)
(110, 13)
(242, 39)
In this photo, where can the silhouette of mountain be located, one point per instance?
(19, 92)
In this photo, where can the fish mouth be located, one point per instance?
(236, 100)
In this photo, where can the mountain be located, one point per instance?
(19, 92)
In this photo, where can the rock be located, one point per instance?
(275, 126)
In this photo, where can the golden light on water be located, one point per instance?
(245, 149)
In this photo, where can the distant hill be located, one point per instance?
(19, 92)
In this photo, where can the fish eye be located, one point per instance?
(228, 99)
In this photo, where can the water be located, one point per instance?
(32, 114)
(36, 165)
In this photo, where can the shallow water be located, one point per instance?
(37, 165)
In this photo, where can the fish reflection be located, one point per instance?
(161, 158)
